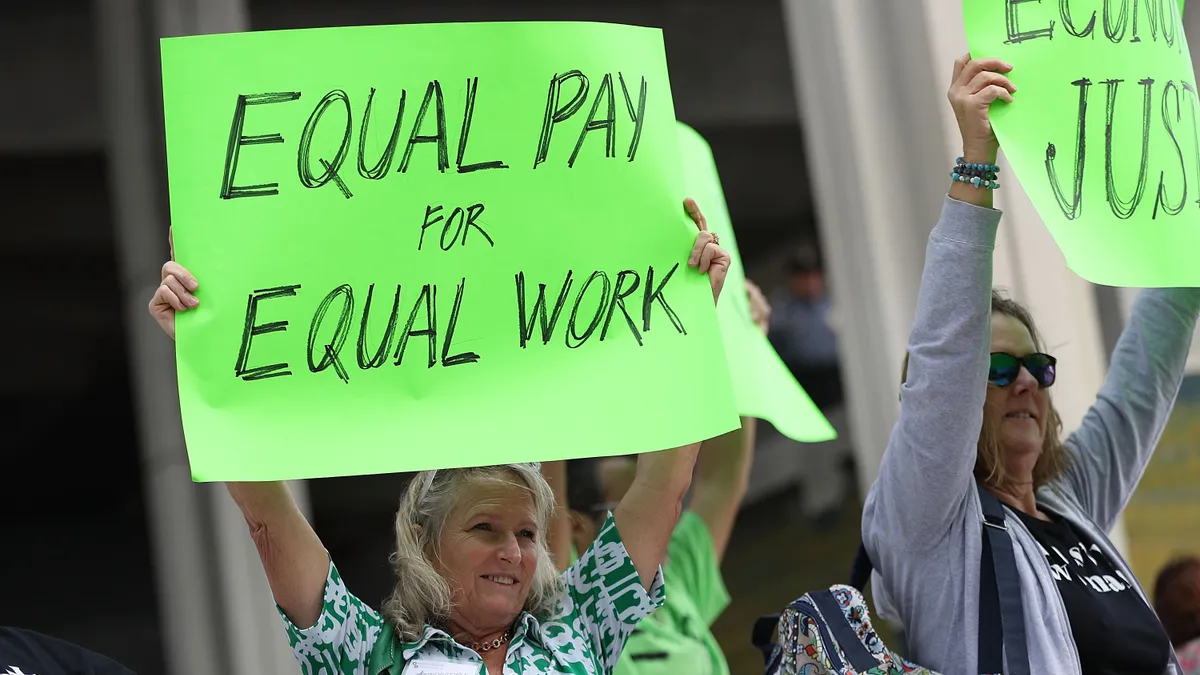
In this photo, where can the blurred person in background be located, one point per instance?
(677, 638)
(802, 331)
(477, 590)
(1177, 601)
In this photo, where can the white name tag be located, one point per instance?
(434, 666)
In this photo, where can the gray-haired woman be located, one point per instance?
(477, 590)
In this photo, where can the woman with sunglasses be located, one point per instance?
(975, 408)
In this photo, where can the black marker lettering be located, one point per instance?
(604, 95)
(638, 115)
(433, 94)
(331, 350)
(1115, 31)
(468, 115)
(1167, 18)
(596, 317)
(1153, 15)
(464, 357)
(250, 329)
(556, 113)
(237, 140)
(1015, 34)
(619, 296)
(649, 297)
(460, 220)
(385, 160)
(337, 180)
(1072, 208)
(473, 213)
(455, 215)
(1064, 10)
(331, 169)
(539, 308)
(429, 295)
(1190, 95)
(1161, 200)
(429, 211)
(1123, 208)
(366, 362)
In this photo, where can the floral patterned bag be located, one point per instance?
(829, 632)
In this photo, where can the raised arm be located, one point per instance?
(1113, 445)
(926, 471)
(293, 558)
(722, 474)
(648, 512)
(292, 555)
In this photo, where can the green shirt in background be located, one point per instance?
(676, 639)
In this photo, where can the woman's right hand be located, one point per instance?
(975, 85)
(707, 255)
(174, 294)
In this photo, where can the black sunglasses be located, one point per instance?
(1005, 368)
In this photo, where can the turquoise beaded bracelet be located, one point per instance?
(978, 175)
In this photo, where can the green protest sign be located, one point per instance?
(763, 386)
(1103, 131)
(430, 246)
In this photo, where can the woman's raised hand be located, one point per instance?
(760, 309)
(174, 294)
(707, 255)
(975, 85)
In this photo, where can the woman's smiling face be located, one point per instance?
(488, 554)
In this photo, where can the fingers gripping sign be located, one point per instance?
(175, 292)
(707, 255)
(705, 237)
(975, 85)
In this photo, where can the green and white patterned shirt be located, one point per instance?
(602, 603)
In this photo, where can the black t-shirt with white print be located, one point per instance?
(1115, 631)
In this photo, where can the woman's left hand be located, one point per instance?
(707, 256)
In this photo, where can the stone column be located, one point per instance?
(869, 111)
(215, 608)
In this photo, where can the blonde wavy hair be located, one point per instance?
(989, 461)
(421, 595)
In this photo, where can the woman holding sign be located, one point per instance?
(978, 434)
(477, 591)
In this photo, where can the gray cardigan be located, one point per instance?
(922, 518)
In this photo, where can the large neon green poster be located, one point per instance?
(430, 246)
(1103, 131)
(763, 386)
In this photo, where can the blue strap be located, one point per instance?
(1001, 612)
(991, 629)
(847, 640)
